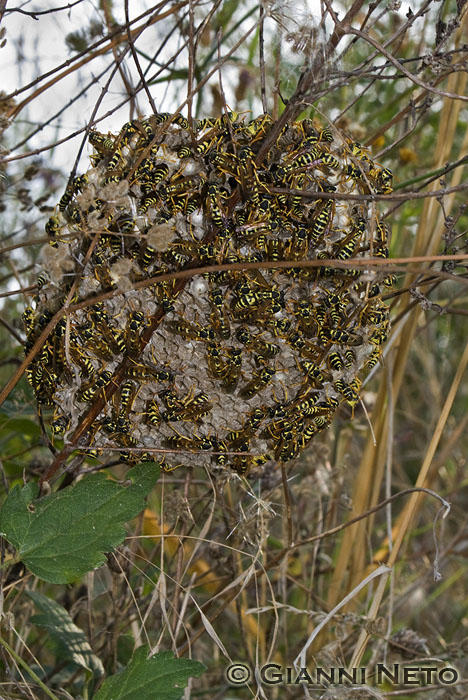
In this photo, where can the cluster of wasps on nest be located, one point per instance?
(236, 368)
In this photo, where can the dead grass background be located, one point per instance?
(221, 569)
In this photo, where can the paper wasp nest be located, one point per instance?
(253, 362)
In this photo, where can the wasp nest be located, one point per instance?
(237, 367)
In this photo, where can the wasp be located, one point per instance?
(380, 335)
(112, 336)
(259, 127)
(249, 298)
(274, 249)
(288, 446)
(389, 281)
(42, 280)
(265, 349)
(346, 247)
(128, 393)
(312, 429)
(241, 464)
(260, 460)
(145, 372)
(102, 272)
(336, 306)
(298, 245)
(383, 179)
(304, 347)
(114, 161)
(180, 186)
(89, 393)
(376, 316)
(358, 151)
(258, 382)
(321, 222)
(226, 163)
(304, 314)
(215, 193)
(149, 200)
(67, 197)
(192, 205)
(304, 160)
(336, 335)
(60, 425)
(132, 334)
(335, 361)
(251, 424)
(254, 419)
(218, 316)
(248, 177)
(101, 346)
(149, 256)
(184, 152)
(347, 391)
(218, 122)
(203, 251)
(52, 229)
(101, 143)
(125, 440)
(227, 370)
(254, 230)
(314, 373)
(189, 409)
(234, 365)
(181, 121)
(159, 172)
(325, 135)
(204, 146)
(115, 243)
(373, 358)
(153, 413)
(349, 358)
(186, 443)
(279, 327)
(329, 160)
(208, 123)
(307, 406)
(29, 316)
(82, 360)
(191, 331)
(353, 172)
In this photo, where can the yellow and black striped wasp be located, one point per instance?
(89, 392)
(321, 222)
(135, 324)
(314, 374)
(191, 331)
(259, 381)
(252, 342)
(190, 408)
(219, 317)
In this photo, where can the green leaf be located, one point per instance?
(65, 534)
(19, 426)
(70, 638)
(162, 676)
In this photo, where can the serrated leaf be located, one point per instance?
(162, 676)
(64, 535)
(65, 633)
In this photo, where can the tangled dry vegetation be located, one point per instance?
(247, 374)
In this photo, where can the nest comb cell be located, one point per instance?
(234, 368)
